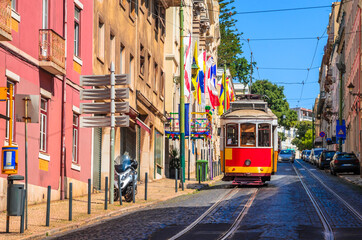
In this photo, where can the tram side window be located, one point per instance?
(232, 135)
(247, 135)
(264, 135)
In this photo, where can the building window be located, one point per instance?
(8, 111)
(43, 124)
(76, 31)
(156, 17)
(101, 40)
(162, 21)
(112, 49)
(133, 8)
(131, 68)
(149, 7)
(142, 60)
(155, 77)
(158, 151)
(162, 83)
(45, 17)
(75, 137)
(14, 5)
(122, 59)
(149, 68)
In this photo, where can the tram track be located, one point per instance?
(216, 205)
(344, 202)
(328, 231)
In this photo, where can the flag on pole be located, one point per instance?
(195, 78)
(221, 98)
(187, 66)
(201, 80)
(211, 83)
(227, 93)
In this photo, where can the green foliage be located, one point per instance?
(274, 96)
(304, 141)
(174, 159)
(230, 48)
(281, 136)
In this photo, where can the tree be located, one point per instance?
(230, 48)
(304, 139)
(274, 96)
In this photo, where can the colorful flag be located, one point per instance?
(195, 78)
(201, 80)
(187, 66)
(211, 83)
(221, 98)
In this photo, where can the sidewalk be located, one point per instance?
(352, 178)
(159, 190)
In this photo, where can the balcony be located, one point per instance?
(5, 20)
(51, 52)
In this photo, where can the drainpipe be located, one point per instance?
(62, 158)
(359, 91)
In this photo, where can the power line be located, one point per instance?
(285, 38)
(288, 69)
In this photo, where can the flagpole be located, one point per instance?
(182, 95)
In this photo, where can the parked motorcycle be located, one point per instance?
(127, 170)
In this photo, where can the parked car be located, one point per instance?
(344, 162)
(306, 155)
(286, 156)
(315, 154)
(325, 159)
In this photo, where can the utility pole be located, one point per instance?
(182, 94)
(313, 127)
(251, 70)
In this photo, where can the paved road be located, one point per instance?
(281, 210)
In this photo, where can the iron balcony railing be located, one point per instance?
(5, 15)
(51, 47)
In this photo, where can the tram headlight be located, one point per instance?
(247, 162)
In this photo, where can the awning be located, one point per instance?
(143, 125)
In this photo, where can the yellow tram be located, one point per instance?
(249, 142)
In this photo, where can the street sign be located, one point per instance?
(103, 93)
(322, 134)
(341, 130)
(104, 80)
(103, 107)
(33, 108)
(3, 93)
(104, 121)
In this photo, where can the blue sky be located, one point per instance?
(286, 53)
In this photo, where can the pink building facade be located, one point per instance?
(45, 45)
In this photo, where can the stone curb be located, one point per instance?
(358, 183)
(106, 216)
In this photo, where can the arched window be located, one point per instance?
(247, 135)
(232, 137)
(264, 135)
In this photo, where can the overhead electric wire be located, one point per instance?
(288, 69)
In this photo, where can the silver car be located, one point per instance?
(286, 156)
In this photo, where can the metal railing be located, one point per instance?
(51, 47)
(5, 15)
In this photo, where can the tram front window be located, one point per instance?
(232, 135)
(247, 135)
(264, 135)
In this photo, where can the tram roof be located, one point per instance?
(249, 113)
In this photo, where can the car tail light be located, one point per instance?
(335, 161)
(356, 161)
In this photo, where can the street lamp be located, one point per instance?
(350, 88)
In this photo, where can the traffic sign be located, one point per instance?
(103, 93)
(104, 80)
(341, 130)
(103, 107)
(104, 121)
(322, 134)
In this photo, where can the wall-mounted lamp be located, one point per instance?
(350, 90)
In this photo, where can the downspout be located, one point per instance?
(62, 164)
(359, 89)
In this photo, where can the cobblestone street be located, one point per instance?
(281, 210)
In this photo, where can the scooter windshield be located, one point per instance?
(125, 164)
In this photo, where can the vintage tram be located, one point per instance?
(249, 141)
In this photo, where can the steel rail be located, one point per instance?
(199, 219)
(240, 217)
(354, 211)
(328, 232)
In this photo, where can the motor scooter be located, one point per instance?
(126, 170)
